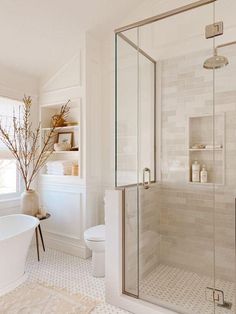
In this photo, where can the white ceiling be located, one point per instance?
(38, 36)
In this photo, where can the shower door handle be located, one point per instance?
(146, 184)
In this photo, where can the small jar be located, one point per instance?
(75, 170)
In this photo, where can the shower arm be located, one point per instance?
(224, 45)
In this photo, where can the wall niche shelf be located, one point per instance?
(200, 132)
(62, 128)
(204, 149)
(47, 111)
(71, 152)
(68, 153)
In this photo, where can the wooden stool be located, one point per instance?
(38, 229)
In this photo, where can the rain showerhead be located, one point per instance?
(215, 62)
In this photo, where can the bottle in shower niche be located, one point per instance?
(195, 172)
(203, 174)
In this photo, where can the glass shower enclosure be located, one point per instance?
(175, 108)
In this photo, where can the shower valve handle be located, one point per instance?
(146, 184)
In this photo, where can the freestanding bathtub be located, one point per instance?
(16, 232)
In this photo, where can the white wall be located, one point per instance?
(14, 84)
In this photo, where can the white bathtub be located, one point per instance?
(16, 233)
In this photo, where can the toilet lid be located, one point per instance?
(96, 233)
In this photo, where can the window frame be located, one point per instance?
(5, 154)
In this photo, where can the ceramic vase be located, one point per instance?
(29, 202)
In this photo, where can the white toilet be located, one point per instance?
(95, 240)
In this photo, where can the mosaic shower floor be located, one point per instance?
(166, 284)
(185, 290)
(69, 272)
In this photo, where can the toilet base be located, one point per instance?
(98, 264)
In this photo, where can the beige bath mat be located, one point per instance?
(34, 298)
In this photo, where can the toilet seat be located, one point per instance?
(96, 234)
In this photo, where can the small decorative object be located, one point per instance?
(195, 172)
(69, 123)
(198, 146)
(58, 147)
(75, 170)
(204, 174)
(24, 144)
(57, 121)
(41, 214)
(65, 138)
(74, 148)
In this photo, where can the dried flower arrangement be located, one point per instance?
(24, 143)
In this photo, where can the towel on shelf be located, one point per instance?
(60, 163)
(62, 167)
(60, 172)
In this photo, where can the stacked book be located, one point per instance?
(60, 167)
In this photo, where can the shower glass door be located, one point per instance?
(176, 214)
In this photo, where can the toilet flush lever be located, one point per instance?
(146, 184)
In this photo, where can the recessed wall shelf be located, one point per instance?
(71, 152)
(62, 128)
(200, 131)
(74, 115)
(205, 149)
(206, 184)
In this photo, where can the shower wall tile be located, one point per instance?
(149, 235)
(146, 251)
(195, 223)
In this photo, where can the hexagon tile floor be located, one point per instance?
(72, 273)
(182, 288)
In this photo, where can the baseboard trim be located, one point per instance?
(67, 245)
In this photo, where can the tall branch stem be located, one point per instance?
(24, 144)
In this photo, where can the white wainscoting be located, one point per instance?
(9, 207)
(64, 229)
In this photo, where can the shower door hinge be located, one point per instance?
(214, 30)
(217, 296)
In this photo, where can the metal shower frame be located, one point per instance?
(164, 15)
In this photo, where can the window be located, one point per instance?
(9, 175)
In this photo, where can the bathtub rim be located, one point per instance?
(13, 235)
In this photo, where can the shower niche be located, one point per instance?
(206, 149)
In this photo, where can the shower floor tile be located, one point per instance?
(184, 289)
(72, 273)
